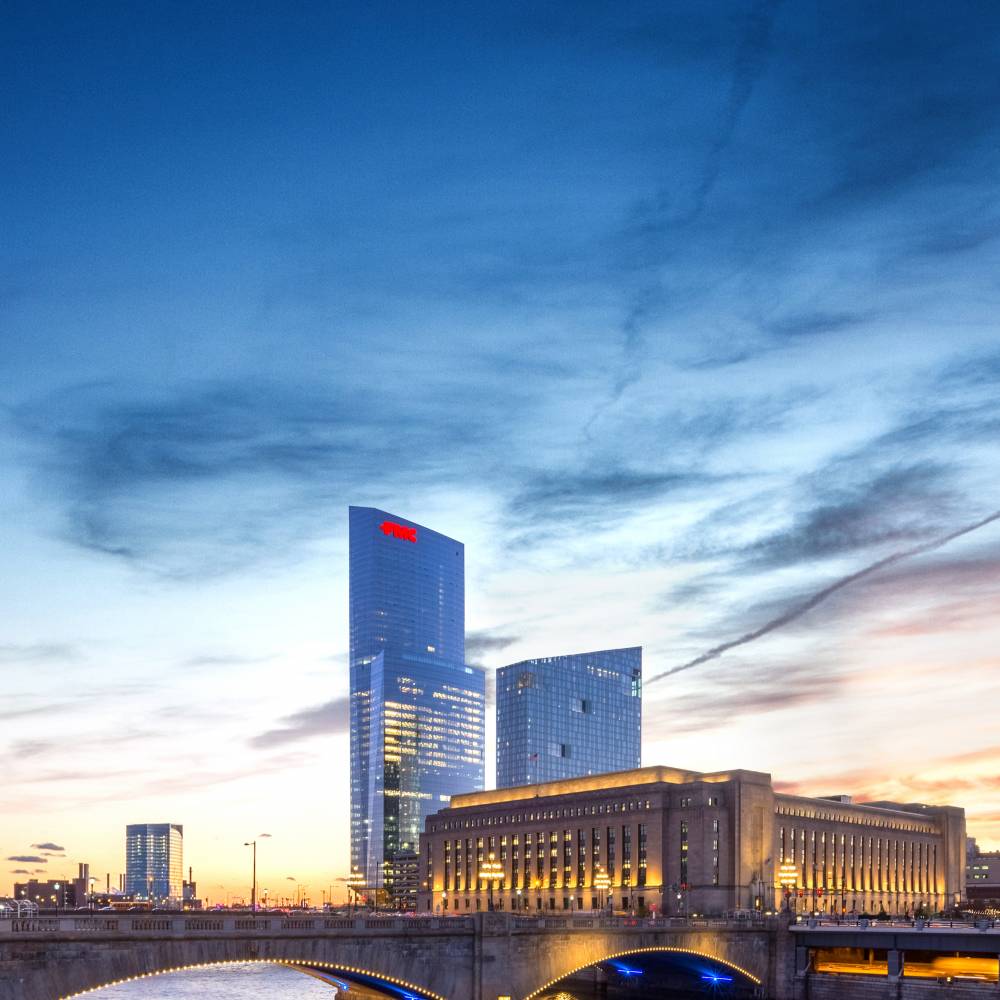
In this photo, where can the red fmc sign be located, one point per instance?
(398, 531)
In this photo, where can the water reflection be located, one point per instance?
(670, 976)
(237, 982)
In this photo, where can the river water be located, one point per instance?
(271, 982)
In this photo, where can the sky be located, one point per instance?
(681, 316)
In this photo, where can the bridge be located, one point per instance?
(483, 956)
(497, 956)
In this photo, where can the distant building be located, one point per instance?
(682, 842)
(983, 877)
(154, 862)
(568, 716)
(50, 894)
(417, 709)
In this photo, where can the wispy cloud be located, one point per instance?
(484, 642)
(39, 652)
(745, 689)
(329, 719)
(823, 594)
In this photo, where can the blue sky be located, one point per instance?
(676, 314)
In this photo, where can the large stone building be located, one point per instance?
(674, 841)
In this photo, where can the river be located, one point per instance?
(271, 982)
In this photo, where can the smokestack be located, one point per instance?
(107, 884)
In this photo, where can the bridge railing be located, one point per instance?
(900, 923)
(274, 924)
(211, 924)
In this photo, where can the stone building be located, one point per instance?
(681, 842)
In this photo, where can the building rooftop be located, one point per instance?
(657, 774)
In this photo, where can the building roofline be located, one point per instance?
(611, 781)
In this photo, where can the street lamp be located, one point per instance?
(491, 871)
(253, 883)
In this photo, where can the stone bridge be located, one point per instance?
(484, 956)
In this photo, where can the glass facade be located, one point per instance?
(417, 709)
(154, 861)
(569, 716)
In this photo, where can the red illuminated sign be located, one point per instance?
(398, 531)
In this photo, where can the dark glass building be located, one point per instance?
(154, 862)
(417, 709)
(569, 716)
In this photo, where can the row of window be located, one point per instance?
(598, 809)
(545, 859)
(856, 819)
(858, 863)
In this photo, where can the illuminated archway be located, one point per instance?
(751, 979)
(307, 966)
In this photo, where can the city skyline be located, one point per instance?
(681, 317)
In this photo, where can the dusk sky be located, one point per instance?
(677, 314)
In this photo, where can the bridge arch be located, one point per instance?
(306, 966)
(751, 978)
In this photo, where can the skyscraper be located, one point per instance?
(154, 861)
(569, 716)
(417, 709)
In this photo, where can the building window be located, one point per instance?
(684, 853)
(640, 879)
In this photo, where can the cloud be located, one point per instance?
(27, 859)
(39, 652)
(657, 218)
(225, 660)
(565, 502)
(478, 644)
(20, 871)
(49, 846)
(204, 478)
(329, 719)
(898, 505)
(21, 749)
(809, 324)
(818, 597)
(745, 689)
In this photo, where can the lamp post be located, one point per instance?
(491, 871)
(253, 883)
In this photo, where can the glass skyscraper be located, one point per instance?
(154, 861)
(417, 709)
(569, 716)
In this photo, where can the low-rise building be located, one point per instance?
(682, 842)
(983, 878)
(51, 894)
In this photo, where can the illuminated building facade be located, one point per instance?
(569, 716)
(682, 842)
(983, 877)
(154, 862)
(417, 709)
